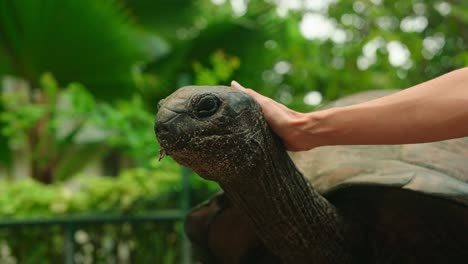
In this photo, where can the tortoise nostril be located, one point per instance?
(161, 128)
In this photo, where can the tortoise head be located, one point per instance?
(214, 130)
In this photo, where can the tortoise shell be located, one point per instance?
(413, 192)
(437, 168)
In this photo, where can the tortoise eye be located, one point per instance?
(205, 105)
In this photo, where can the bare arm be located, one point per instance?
(431, 111)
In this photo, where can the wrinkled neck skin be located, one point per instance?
(293, 220)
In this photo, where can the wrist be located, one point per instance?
(319, 127)
(310, 130)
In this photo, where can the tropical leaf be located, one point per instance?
(242, 37)
(164, 17)
(92, 42)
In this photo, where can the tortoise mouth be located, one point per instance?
(165, 116)
(162, 126)
(202, 142)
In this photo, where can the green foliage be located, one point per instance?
(164, 18)
(20, 116)
(134, 191)
(65, 129)
(223, 66)
(145, 242)
(92, 42)
(103, 50)
(5, 153)
(129, 128)
(335, 65)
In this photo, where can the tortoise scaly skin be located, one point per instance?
(339, 204)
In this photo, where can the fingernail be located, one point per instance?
(234, 83)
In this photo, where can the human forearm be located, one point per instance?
(431, 111)
(434, 110)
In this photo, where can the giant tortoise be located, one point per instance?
(336, 204)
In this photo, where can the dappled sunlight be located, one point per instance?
(313, 98)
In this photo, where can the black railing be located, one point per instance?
(70, 224)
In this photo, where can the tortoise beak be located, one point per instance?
(166, 114)
(164, 125)
(169, 110)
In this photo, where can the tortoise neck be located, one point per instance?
(293, 220)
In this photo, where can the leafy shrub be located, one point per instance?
(65, 129)
(134, 191)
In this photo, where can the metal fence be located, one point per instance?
(70, 225)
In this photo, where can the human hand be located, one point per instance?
(286, 123)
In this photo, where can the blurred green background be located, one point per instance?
(80, 81)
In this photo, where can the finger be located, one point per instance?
(237, 85)
(250, 92)
(264, 101)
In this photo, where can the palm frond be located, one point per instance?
(92, 42)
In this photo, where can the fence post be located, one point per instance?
(69, 244)
(185, 207)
